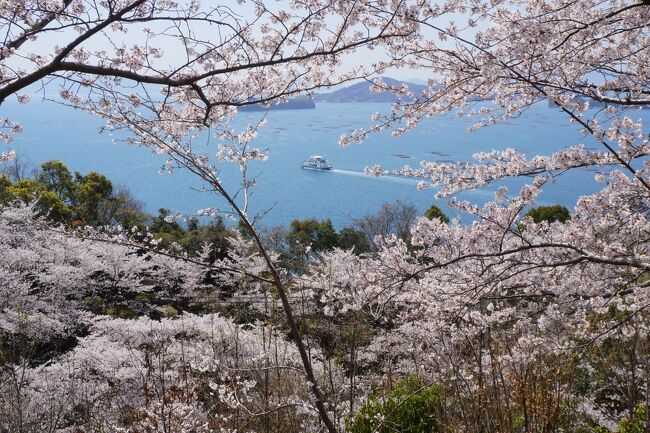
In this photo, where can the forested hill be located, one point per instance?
(360, 92)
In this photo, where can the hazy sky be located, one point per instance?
(47, 45)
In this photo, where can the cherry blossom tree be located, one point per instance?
(489, 303)
(217, 59)
(71, 361)
(184, 58)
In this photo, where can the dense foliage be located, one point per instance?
(435, 212)
(549, 214)
(72, 198)
(409, 406)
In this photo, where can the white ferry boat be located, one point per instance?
(316, 162)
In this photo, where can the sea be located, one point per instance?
(284, 191)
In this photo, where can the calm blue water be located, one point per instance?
(284, 189)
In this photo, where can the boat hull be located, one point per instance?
(318, 168)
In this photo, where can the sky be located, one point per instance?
(174, 52)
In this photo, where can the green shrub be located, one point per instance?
(636, 424)
(94, 304)
(435, 212)
(409, 407)
(349, 237)
(146, 298)
(549, 214)
(122, 312)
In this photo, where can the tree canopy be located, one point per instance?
(549, 213)
(70, 198)
(435, 212)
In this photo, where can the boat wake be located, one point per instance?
(349, 172)
(388, 177)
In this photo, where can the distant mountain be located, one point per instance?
(297, 103)
(360, 92)
(417, 81)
